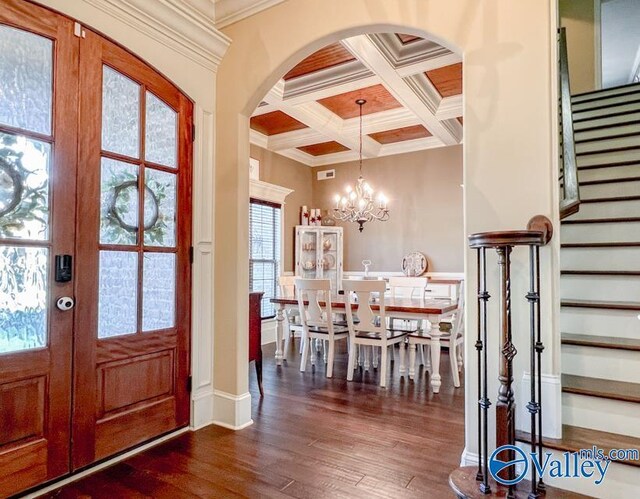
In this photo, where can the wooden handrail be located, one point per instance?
(570, 190)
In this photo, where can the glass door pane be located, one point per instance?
(329, 257)
(309, 253)
(26, 80)
(26, 100)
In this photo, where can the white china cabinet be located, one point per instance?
(319, 253)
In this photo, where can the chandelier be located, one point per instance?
(360, 204)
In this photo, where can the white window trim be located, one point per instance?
(268, 192)
(273, 193)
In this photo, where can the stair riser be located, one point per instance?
(600, 288)
(610, 190)
(624, 171)
(605, 363)
(609, 157)
(601, 94)
(604, 145)
(607, 132)
(599, 259)
(607, 210)
(604, 120)
(601, 414)
(605, 101)
(601, 232)
(619, 323)
(604, 112)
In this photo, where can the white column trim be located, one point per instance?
(232, 411)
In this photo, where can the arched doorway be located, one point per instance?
(508, 159)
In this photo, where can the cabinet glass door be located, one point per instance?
(329, 257)
(308, 263)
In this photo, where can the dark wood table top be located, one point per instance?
(391, 304)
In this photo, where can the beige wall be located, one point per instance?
(285, 172)
(510, 152)
(425, 199)
(577, 16)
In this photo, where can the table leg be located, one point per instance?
(279, 333)
(436, 379)
(403, 356)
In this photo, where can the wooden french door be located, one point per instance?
(132, 324)
(85, 127)
(38, 130)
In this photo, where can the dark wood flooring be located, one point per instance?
(312, 437)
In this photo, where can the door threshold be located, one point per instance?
(67, 479)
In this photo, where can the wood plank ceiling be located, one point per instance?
(411, 85)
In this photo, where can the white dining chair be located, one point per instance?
(316, 317)
(287, 287)
(407, 287)
(453, 339)
(368, 328)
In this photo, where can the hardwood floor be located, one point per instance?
(312, 437)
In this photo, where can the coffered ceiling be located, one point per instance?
(413, 89)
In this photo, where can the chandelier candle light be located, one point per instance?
(358, 204)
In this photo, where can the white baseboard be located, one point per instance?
(232, 411)
(269, 327)
(202, 404)
(551, 405)
(469, 458)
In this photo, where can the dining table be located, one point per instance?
(431, 310)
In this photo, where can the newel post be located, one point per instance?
(476, 482)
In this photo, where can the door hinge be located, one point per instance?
(193, 133)
(78, 31)
(191, 254)
(189, 384)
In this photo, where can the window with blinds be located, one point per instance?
(264, 251)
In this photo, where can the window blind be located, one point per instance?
(264, 252)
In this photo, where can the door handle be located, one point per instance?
(65, 303)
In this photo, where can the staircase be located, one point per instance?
(600, 280)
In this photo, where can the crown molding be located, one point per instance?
(184, 26)
(232, 11)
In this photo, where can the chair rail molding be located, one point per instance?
(231, 11)
(185, 26)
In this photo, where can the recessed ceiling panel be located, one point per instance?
(275, 123)
(332, 55)
(401, 134)
(344, 105)
(405, 39)
(447, 80)
(323, 148)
